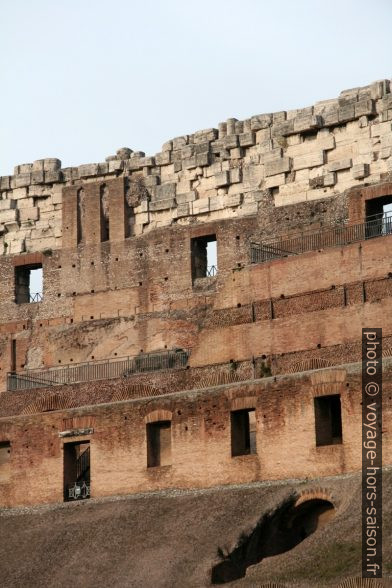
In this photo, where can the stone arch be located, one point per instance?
(313, 363)
(243, 403)
(135, 391)
(158, 415)
(217, 379)
(48, 404)
(314, 494)
(360, 583)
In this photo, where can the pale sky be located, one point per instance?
(80, 79)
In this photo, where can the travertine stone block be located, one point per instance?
(5, 182)
(341, 164)
(331, 117)
(22, 180)
(307, 123)
(309, 160)
(233, 200)
(261, 121)
(18, 193)
(165, 191)
(202, 159)
(179, 142)
(360, 171)
(29, 214)
(86, 170)
(274, 181)
(53, 176)
(364, 108)
(277, 166)
(7, 204)
(8, 216)
(330, 179)
(23, 168)
(37, 177)
(186, 197)
(222, 179)
(162, 204)
(183, 209)
(235, 175)
(201, 206)
(216, 203)
(24, 203)
(115, 165)
(247, 139)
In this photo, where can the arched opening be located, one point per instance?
(275, 533)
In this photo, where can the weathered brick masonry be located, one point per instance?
(123, 248)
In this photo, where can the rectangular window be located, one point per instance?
(159, 444)
(243, 432)
(204, 257)
(328, 420)
(28, 283)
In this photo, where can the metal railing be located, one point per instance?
(36, 297)
(212, 270)
(377, 225)
(98, 370)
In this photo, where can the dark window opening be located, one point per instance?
(80, 210)
(378, 216)
(328, 420)
(159, 444)
(243, 432)
(5, 454)
(77, 470)
(28, 283)
(104, 208)
(13, 355)
(204, 260)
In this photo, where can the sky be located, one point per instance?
(80, 79)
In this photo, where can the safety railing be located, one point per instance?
(36, 297)
(212, 271)
(98, 370)
(375, 226)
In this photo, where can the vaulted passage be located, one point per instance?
(274, 534)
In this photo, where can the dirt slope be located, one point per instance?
(172, 539)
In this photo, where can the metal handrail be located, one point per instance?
(212, 270)
(377, 225)
(36, 297)
(98, 370)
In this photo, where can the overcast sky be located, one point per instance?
(81, 78)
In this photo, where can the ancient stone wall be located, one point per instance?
(240, 169)
(200, 438)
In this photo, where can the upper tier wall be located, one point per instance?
(290, 157)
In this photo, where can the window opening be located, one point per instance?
(379, 216)
(204, 260)
(159, 444)
(28, 283)
(77, 470)
(328, 420)
(104, 207)
(243, 432)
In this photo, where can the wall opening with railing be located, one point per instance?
(28, 283)
(204, 257)
(377, 225)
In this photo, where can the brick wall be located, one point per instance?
(201, 438)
